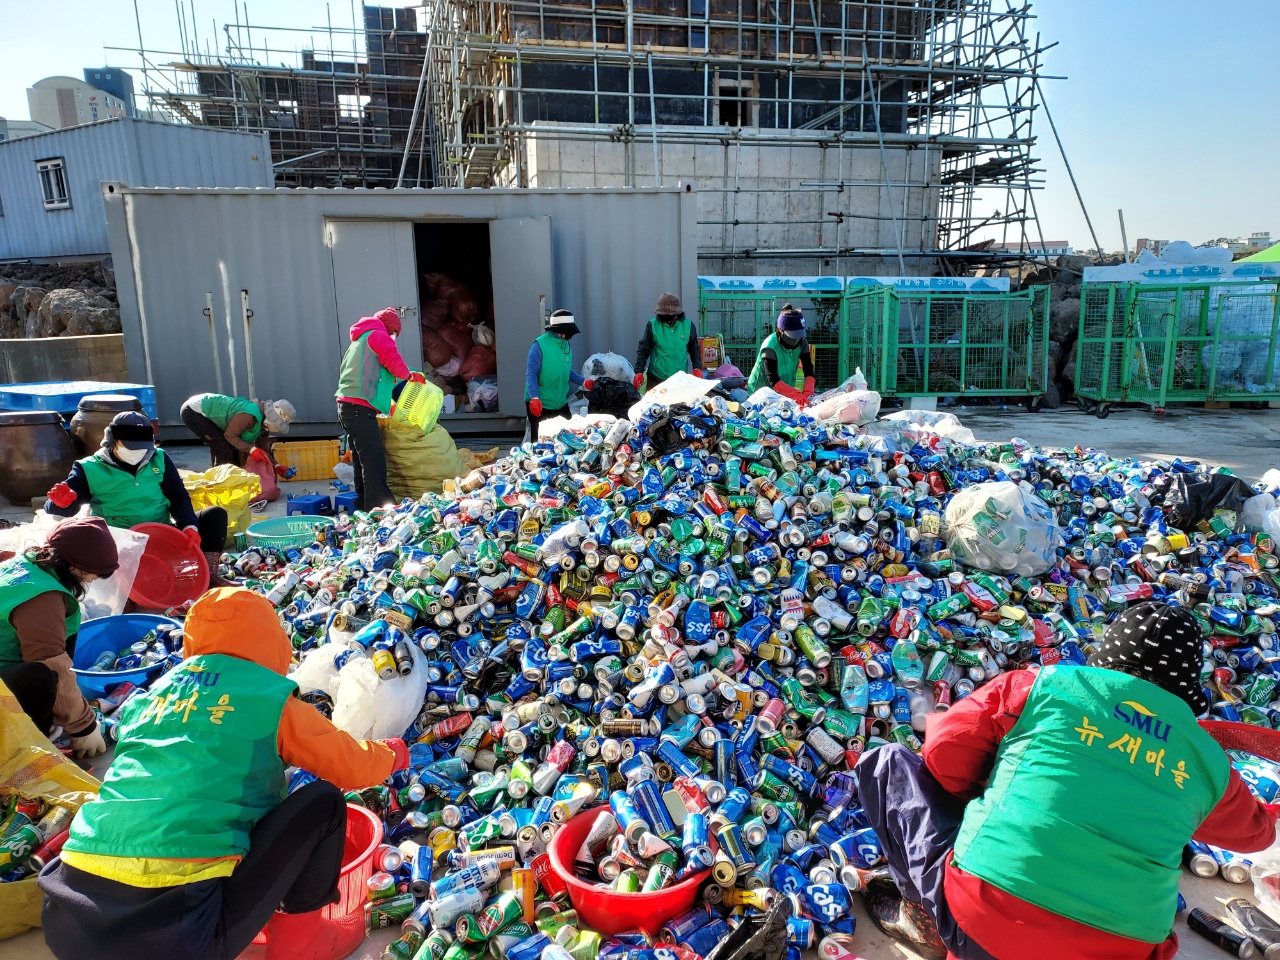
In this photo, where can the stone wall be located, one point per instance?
(57, 300)
(64, 358)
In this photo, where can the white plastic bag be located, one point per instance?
(102, 598)
(1262, 513)
(317, 670)
(677, 388)
(345, 473)
(370, 708)
(917, 423)
(608, 365)
(856, 406)
(1002, 527)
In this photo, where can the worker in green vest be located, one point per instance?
(670, 342)
(40, 593)
(1050, 808)
(549, 377)
(235, 429)
(370, 370)
(195, 841)
(129, 480)
(782, 353)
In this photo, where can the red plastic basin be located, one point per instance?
(171, 571)
(605, 910)
(337, 930)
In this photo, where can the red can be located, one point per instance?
(770, 716)
(942, 693)
(694, 799)
(554, 887)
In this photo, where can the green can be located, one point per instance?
(389, 912)
(949, 607)
(506, 909)
(1262, 690)
(628, 881)
(587, 946)
(434, 946)
(563, 918)
(467, 930)
(404, 948)
(662, 872)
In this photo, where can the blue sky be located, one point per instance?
(1170, 112)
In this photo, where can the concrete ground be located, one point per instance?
(1246, 441)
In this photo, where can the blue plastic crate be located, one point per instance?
(64, 396)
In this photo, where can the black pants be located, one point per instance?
(295, 853)
(546, 415)
(35, 687)
(212, 435)
(212, 524)
(368, 456)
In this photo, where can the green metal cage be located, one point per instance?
(1177, 343)
(907, 343)
(743, 318)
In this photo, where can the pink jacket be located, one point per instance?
(384, 347)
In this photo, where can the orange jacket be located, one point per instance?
(240, 623)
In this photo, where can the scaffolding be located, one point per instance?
(338, 108)
(906, 124)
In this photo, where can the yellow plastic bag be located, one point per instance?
(418, 462)
(228, 487)
(419, 406)
(31, 768)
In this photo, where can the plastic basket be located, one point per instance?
(278, 533)
(338, 929)
(312, 459)
(170, 572)
(605, 910)
(419, 406)
(1249, 737)
(115, 634)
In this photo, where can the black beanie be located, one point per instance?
(1160, 644)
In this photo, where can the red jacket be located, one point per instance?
(960, 750)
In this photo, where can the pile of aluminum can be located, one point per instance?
(701, 620)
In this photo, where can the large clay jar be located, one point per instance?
(35, 453)
(95, 413)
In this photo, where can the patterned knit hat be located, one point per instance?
(1160, 644)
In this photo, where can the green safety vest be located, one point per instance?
(126, 500)
(221, 410)
(670, 353)
(1094, 793)
(788, 360)
(363, 375)
(553, 378)
(20, 581)
(196, 766)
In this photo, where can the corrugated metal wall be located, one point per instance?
(614, 252)
(125, 150)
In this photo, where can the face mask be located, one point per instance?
(131, 457)
(788, 340)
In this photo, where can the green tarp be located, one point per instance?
(1269, 255)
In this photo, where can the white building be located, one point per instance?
(16, 129)
(58, 102)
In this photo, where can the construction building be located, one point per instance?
(827, 137)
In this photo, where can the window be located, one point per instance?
(735, 103)
(351, 107)
(53, 183)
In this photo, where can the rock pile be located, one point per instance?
(58, 300)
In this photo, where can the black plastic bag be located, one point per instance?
(757, 937)
(610, 396)
(1189, 501)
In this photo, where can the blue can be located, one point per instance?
(530, 949)
(679, 929)
(827, 902)
(695, 840)
(867, 851)
(734, 805)
(648, 801)
(673, 756)
(800, 932)
(723, 760)
(703, 940)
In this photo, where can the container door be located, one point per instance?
(374, 267)
(520, 260)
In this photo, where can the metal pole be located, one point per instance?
(417, 101)
(1124, 237)
(884, 163)
(213, 338)
(248, 341)
(653, 121)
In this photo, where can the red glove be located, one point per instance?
(535, 407)
(193, 537)
(588, 384)
(285, 473)
(62, 495)
(638, 381)
(697, 372)
(417, 377)
(791, 393)
(401, 750)
(809, 386)
(257, 453)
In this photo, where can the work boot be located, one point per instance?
(214, 559)
(902, 919)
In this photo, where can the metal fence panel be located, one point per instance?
(1178, 343)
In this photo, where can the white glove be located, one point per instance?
(90, 745)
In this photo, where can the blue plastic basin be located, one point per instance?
(115, 634)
